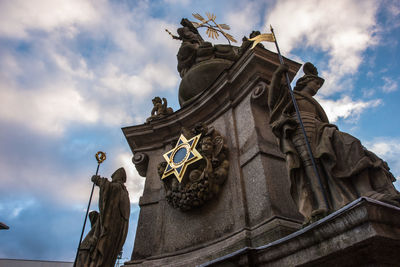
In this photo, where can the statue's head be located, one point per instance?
(207, 146)
(310, 78)
(156, 100)
(188, 32)
(187, 23)
(119, 175)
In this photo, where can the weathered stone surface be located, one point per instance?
(141, 160)
(202, 170)
(365, 232)
(199, 78)
(253, 207)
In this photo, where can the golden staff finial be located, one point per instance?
(100, 157)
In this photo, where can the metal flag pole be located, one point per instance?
(296, 107)
(100, 157)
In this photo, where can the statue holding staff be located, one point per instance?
(347, 169)
(327, 168)
(104, 242)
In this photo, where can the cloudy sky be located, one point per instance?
(73, 72)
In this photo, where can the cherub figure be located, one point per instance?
(160, 109)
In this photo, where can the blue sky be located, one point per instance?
(73, 72)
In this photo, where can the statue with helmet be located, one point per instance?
(346, 168)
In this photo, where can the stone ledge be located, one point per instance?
(273, 227)
(365, 232)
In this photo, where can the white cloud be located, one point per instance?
(18, 17)
(392, 13)
(40, 180)
(346, 107)
(14, 208)
(385, 147)
(394, 8)
(152, 77)
(244, 18)
(368, 92)
(64, 86)
(389, 85)
(389, 150)
(134, 183)
(343, 29)
(47, 110)
(80, 70)
(179, 2)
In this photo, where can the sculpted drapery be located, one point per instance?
(347, 169)
(101, 246)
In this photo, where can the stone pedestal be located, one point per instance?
(363, 233)
(254, 206)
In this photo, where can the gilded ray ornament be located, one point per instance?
(213, 30)
(182, 155)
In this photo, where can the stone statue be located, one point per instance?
(191, 39)
(104, 241)
(160, 109)
(88, 244)
(347, 169)
(200, 62)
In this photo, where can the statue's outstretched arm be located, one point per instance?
(97, 180)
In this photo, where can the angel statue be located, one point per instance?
(160, 109)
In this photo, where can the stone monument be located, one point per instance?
(220, 188)
(104, 241)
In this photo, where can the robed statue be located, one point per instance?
(104, 241)
(347, 170)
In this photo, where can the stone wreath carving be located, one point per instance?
(203, 179)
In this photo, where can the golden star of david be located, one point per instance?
(181, 156)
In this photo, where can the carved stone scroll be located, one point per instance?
(141, 161)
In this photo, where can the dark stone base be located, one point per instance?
(263, 233)
(363, 233)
